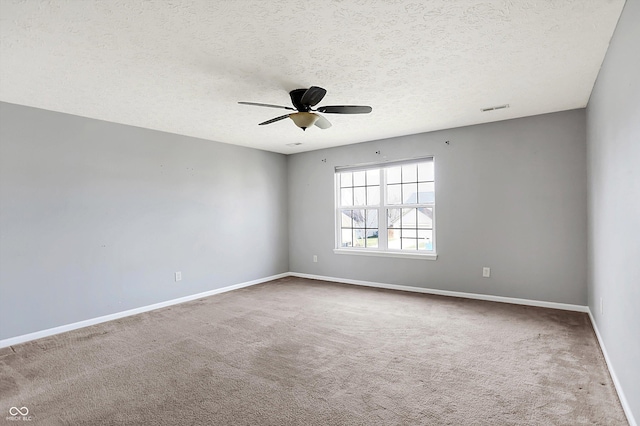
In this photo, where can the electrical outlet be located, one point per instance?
(315, 258)
(486, 272)
(178, 276)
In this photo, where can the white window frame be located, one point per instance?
(382, 249)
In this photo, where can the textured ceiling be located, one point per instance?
(181, 66)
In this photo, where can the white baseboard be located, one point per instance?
(528, 302)
(76, 325)
(614, 377)
(80, 324)
(578, 308)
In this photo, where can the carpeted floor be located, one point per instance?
(304, 352)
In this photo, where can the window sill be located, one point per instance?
(381, 253)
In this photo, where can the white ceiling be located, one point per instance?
(181, 66)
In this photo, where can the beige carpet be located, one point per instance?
(304, 352)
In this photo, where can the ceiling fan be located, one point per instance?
(303, 100)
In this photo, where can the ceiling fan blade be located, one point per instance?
(273, 120)
(313, 95)
(322, 122)
(267, 105)
(345, 109)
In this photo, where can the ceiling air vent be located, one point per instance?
(493, 108)
(294, 144)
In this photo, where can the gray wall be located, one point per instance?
(96, 217)
(613, 140)
(510, 195)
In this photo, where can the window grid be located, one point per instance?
(409, 212)
(410, 215)
(360, 188)
(359, 228)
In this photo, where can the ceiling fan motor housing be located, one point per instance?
(296, 100)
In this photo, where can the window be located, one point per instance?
(386, 209)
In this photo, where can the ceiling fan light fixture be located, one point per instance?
(304, 119)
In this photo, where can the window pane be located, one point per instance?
(410, 193)
(345, 219)
(426, 192)
(393, 239)
(358, 238)
(409, 173)
(425, 218)
(425, 240)
(409, 233)
(393, 218)
(372, 238)
(358, 178)
(425, 171)
(373, 177)
(346, 197)
(409, 218)
(346, 179)
(358, 218)
(409, 243)
(346, 240)
(373, 195)
(394, 194)
(372, 219)
(359, 196)
(394, 174)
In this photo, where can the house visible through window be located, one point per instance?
(386, 208)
